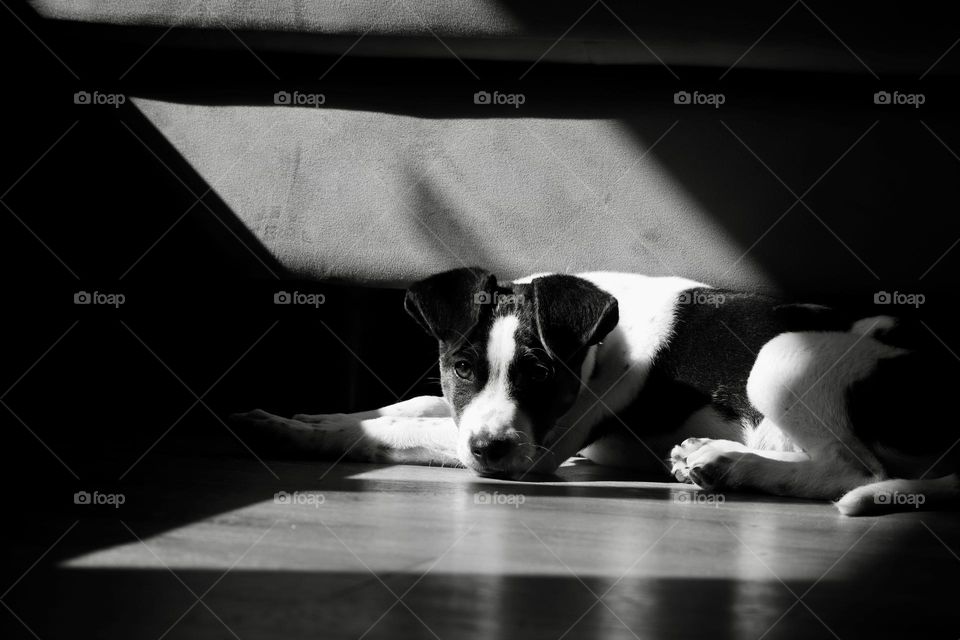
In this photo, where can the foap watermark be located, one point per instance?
(99, 99)
(707, 298)
(697, 98)
(96, 498)
(695, 497)
(914, 500)
(297, 297)
(512, 499)
(299, 498)
(299, 99)
(485, 297)
(99, 298)
(900, 99)
(899, 298)
(512, 99)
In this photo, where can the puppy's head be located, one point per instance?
(510, 357)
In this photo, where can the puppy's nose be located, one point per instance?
(490, 449)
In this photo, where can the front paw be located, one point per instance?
(679, 454)
(332, 436)
(319, 419)
(265, 430)
(711, 464)
(257, 423)
(715, 465)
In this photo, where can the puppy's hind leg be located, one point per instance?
(710, 463)
(799, 383)
(785, 473)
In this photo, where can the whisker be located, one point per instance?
(521, 439)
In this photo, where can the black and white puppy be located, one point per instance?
(793, 400)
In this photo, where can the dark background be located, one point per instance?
(135, 399)
(80, 216)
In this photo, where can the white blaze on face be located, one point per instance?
(501, 347)
(493, 412)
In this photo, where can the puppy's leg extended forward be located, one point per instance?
(416, 431)
(419, 407)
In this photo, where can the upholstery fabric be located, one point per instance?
(384, 198)
(886, 37)
(777, 193)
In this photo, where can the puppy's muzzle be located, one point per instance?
(489, 451)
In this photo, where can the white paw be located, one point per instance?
(323, 418)
(711, 464)
(267, 422)
(679, 454)
(328, 435)
(258, 422)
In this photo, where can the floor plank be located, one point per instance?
(202, 549)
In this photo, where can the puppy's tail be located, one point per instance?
(889, 496)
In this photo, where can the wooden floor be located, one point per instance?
(201, 549)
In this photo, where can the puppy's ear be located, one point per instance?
(448, 305)
(572, 313)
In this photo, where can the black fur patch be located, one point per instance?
(447, 305)
(571, 313)
(717, 335)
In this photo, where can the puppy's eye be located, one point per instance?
(539, 372)
(463, 369)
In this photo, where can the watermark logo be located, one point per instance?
(306, 499)
(697, 98)
(497, 98)
(102, 99)
(485, 297)
(487, 498)
(900, 298)
(901, 99)
(99, 298)
(708, 298)
(695, 497)
(96, 498)
(298, 99)
(296, 297)
(896, 498)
